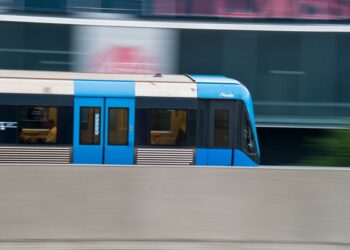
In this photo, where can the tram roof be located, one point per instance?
(56, 75)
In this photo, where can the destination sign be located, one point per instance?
(5, 124)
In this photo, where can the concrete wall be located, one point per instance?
(204, 204)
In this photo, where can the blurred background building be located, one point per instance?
(293, 55)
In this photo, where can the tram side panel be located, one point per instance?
(217, 128)
(104, 115)
(35, 120)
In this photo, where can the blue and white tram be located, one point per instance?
(56, 117)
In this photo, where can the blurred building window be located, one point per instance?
(122, 6)
(107, 6)
(291, 9)
(56, 6)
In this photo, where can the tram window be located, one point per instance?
(221, 132)
(161, 119)
(8, 124)
(38, 124)
(118, 124)
(142, 124)
(168, 127)
(90, 125)
(248, 136)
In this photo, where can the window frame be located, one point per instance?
(227, 128)
(143, 127)
(19, 125)
(219, 104)
(150, 128)
(127, 127)
(99, 135)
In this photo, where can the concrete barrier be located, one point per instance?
(174, 204)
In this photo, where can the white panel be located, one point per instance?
(36, 86)
(161, 89)
(55, 75)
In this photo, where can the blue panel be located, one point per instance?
(201, 156)
(104, 88)
(120, 154)
(219, 157)
(87, 154)
(241, 159)
(206, 90)
(220, 91)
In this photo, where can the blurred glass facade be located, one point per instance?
(296, 78)
(231, 9)
(67, 7)
(35, 46)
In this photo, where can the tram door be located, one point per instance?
(103, 130)
(220, 132)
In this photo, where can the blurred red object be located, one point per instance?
(323, 9)
(123, 60)
(296, 9)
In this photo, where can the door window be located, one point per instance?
(118, 125)
(90, 125)
(221, 128)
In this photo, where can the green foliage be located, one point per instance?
(331, 150)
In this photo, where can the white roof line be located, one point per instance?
(334, 28)
(57, 75)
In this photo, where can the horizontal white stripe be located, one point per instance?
(299, 126)
(286, 72)
(60, 75)
(40, 51)
(36, 86)
(153, 89)
(180, 25)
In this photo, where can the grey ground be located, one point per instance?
(94, 207)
